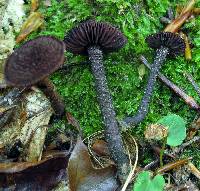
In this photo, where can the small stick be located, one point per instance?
(188, 99)
(172, 165)
(175, 25)
(196, 11)
(151, 165)
(194, 170)
(194, 84)
(182, 147)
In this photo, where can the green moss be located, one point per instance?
(136, 19)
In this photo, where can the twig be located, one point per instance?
(131, 174)
(194, 84)
(182, 147)
(173, 165)
(194, 170)
(175, 25)
(151, 165)
(188, 99)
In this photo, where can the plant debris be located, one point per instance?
(83, 176)
(42, 151)
(42, 175)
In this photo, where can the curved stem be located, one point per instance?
(112, 133)
(161, 55)
(48, 89)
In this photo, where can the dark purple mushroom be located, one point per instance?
(32, 63)
(93, 39)
(165, 43)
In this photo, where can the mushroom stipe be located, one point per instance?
(165, 44)
(93, 39)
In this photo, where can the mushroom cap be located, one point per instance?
(92, 33)
(34, 60)
(170, 40)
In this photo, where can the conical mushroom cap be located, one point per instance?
(170, 40)
(92, 33)
(34, 60)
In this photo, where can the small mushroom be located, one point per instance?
(165, 43)
(32, 63)
(94, 39)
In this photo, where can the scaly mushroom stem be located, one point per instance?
(161, 55)
(48, 89)
(112, 133)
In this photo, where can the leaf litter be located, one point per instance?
(24, 123)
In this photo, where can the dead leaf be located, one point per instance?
(39, 176)
(33, 22)
(100, 147)
(84, 177)
(34, 5)
(155, 131)
(30, 129)
(175, 25)
(193, 129)
(8, 105)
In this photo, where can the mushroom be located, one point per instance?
(165, 43)
(94, 39)
(32, 63)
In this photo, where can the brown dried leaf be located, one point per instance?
(28, 124)
(33, 22)
(193, 129)
(34, 5)
(175, 25)
(83, 176)
(155, 131)
(100, 147)
(38, 176)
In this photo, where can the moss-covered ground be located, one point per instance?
(137, 19)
